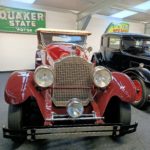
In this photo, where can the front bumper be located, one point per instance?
(71, 131)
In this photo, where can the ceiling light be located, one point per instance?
(124, 13)
(145, 22)
(25, 1)
(143, 6)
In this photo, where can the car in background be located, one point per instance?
(128, 53)
(66, 95)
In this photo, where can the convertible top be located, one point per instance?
(60, 31)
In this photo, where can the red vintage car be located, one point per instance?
(67, 95)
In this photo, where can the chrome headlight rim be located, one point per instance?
(101, 68)
(43, 67)
(72, 102)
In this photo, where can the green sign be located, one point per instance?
(21, 20)
(117, 27)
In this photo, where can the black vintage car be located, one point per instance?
(128, 53)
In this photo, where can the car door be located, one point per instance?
(112, 52)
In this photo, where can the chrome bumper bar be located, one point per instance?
(64, 117)
(71, 131)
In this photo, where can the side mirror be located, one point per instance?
(89, 49)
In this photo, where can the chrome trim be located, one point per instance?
(70, 56)
(51, 132)
(67, 78)
(99, 68)
(65, 117)
(45, 67)
(75, 129)
(77, 119)
(73, 132)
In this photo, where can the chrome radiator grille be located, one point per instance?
(73, 79)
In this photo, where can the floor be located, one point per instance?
(136, 141)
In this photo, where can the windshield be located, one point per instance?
(47, 38)
(136, 45)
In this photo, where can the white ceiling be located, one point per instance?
(90, 7)
(113, 6)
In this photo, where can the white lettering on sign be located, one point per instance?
(3, 15)
(11, 15)
(21, 20)
(18, 16)
(22, 23)
(26, 16)
(21, 15)
(40, 16)
(33, 16)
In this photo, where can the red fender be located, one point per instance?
(17, 88)
(121, 87)
(20, 86)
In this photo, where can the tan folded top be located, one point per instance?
(61, 31)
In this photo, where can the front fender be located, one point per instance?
(144, 73)
(17, 88)
(20, 86)
(97, 58)
(121, 87)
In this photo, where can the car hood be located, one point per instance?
(57, 51)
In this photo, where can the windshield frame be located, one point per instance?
(42, 40)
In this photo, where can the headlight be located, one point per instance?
(102, 77)
(43, 76)
(75, 108)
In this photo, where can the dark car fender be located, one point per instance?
(97, 58)
(143, 73)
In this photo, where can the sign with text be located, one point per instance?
(21, 20)
(117, 27)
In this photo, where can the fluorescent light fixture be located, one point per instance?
(25, 1)
(145, 22)
(143, 6)
(124, 13)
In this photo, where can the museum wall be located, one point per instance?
(98, 25)
(17, 51)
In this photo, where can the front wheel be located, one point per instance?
(141, 94)
(118, 112)
(15, 122)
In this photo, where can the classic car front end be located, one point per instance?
(67, 95)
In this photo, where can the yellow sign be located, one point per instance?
(119, 27)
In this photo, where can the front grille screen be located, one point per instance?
(73, 79)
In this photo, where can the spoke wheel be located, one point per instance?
(141, 92)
